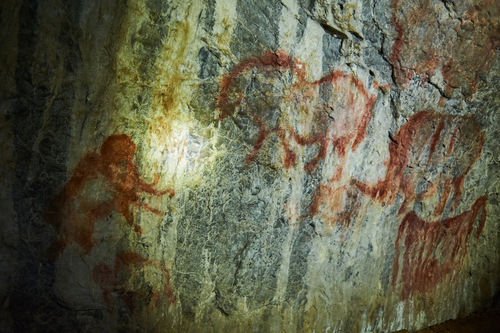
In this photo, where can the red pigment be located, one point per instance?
(463, 62)
(74, 216)
(352, 109)
(442, 101)
(127, 263)
(397, 46)
(406, 153)
(448, 72)
(323, 148)
(308, 141)
(263, 133)
(366, 110)
(290, 156)
(434, 140)
(452, 142)
(339, 204)
(269, 61)
(433, 250)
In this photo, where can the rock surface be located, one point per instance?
(248, 166)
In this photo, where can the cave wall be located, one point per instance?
(250, 166)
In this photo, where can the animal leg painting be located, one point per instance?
(433, 249)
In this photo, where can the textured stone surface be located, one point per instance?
(251, 166)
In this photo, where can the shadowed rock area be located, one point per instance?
(248, 166)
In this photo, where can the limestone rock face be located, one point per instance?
(248, 166)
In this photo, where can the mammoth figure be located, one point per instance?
(429, 158)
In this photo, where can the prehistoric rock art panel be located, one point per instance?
(128, 282)
(73, 214)
(284, 207)
(307, 117)
(462, 44)
(429, 158)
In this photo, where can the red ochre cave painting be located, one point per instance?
(124, 281)
(437, 151)
(434, 249)
(340, 120)
(423, 43)
(73, 214)
(429, 157)
(432, 149)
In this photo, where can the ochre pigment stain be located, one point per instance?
(128, 267)
(433, 249)
(435, 148)
(461, 61)
(342, 119)
(339, 204)
(73, 215)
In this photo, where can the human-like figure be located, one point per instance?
(73, 213)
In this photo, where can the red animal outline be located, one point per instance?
(428, 127)
(280, 61)
(427, 242)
